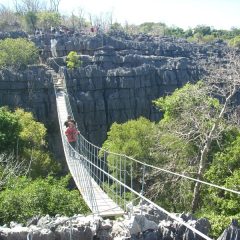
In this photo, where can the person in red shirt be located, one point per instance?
(71, 134)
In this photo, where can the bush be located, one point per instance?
(73, 60)
(24, 198)
(17, 53)
(235, 42)
(21, 134)
(9, 130)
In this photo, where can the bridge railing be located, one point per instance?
(114, 173)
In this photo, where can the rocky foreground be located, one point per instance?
(145, 224)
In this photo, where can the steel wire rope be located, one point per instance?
(67, 144)
(173, 173)
(151, 166)
(153, 204)
(141, 196)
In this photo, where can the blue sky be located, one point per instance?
(220, 14)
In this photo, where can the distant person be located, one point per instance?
(53, 43)
(72, 134)
(53, 30)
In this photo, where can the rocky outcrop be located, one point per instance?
(13, 34)
(33, 91)
(138, 226)
(232, 232)
(121, 75)
(112, 87)
(119, 78)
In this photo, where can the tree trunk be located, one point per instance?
(201, 170)
(204, 153)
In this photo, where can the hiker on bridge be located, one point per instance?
(72, 134)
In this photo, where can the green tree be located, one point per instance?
(174, 31)
(191, 114)
(10, 129)
(131, 138)
(116, 26)
(235, 42)
(24, 198)
(30, 20)
(220, 206)
(73, 60)
(21, 134)
(33, 145)
(33, 132)
(48, 19)
(203, 30)
(17, 53)
(134, 139)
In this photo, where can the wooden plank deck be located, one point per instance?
(96, 199)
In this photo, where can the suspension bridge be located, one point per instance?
(105, 179)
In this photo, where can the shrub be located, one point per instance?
(73, 60)
(24, 198)
(9, 130)
(17, 53)
(235, 42)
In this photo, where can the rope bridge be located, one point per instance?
(105, 179)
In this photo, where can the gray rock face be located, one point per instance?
(121, 75)
(117, 88)
(78, 227)
(119, 78)
(232, 232)
(13, 34)
(33, 91)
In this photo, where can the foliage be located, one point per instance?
(24, 198)
(33, 132)
(116, 27)
(174, 31)
(188, 97)
(48, 19)
(73, 60)
(131, 138)
(175, 154)
(32, 136)
(40, 162)
(10, 168)
(9, 130)
(17, 53)
(224, 171)
(218, 222)
(30, 20)
(235, 42)
(191, 114)
(19, 131)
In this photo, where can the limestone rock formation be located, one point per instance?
(119, 78)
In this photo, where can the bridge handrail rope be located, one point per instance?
(166, 171)
(150, 202)
(95, 166)
(68, 148)
(89, 153)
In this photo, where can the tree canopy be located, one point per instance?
(17, 53)
(25, 198)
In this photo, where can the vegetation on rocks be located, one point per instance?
(23, 198)
(198, 135)
(73, 60)
(193, 134)
(17, 53)
(28, 182)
